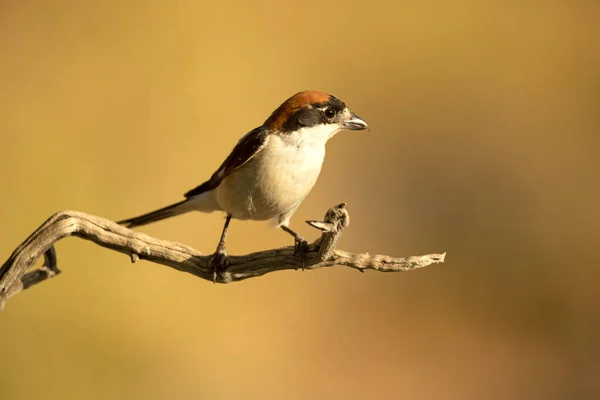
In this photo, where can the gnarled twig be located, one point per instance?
(14, 275)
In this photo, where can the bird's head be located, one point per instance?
(314, 113)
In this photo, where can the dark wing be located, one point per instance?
(247, 147)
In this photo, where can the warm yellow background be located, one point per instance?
(485, 142)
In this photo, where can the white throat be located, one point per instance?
(315, 136)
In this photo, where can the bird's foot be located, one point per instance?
(301, 247)
(219, 261)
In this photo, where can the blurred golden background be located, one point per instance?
(485, 132)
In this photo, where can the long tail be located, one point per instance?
(166, 212)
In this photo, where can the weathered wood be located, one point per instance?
(14, 275)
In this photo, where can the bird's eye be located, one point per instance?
(329, 113)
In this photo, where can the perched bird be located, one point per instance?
(270, 170)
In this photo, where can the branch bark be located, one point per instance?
(15, 275)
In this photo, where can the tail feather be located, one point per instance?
(162, 213)
(204, 202)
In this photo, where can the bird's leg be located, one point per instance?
(219, 259)
(300, 245)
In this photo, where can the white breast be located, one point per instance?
(278, 178)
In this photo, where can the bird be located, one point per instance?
(270, 170)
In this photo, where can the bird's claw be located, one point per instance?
(220, 262)
(301, 247)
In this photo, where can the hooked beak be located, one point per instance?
(355, 123)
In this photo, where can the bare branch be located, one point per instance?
(14, 275)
